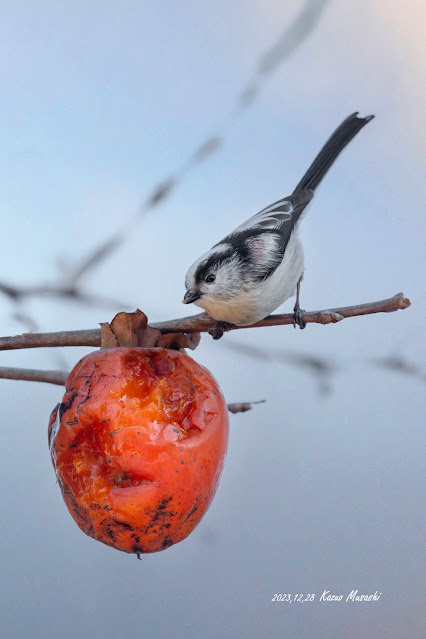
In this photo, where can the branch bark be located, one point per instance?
(91, 337)
(203, 323)
(33, 375)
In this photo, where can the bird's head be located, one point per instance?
(214, 277)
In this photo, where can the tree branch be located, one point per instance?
(91, 337)
(59, 378)
(203, 323)
(33, 375)
(243, 407)
(58, 291)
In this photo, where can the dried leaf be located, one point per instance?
(176, 341)
(129, 329)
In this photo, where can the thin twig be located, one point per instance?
(33, 375)
(202, 323)
(243, 407)
(399, 364)
(91, 337)
(58, 291)
(321, 368)
(59, 378)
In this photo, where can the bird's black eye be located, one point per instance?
(210, 278)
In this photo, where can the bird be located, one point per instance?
(252, 271)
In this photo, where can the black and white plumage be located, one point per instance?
(258, 266)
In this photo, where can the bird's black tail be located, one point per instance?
(331, 149)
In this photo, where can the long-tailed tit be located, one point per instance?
(258, 266)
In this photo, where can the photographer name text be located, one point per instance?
(354, 597)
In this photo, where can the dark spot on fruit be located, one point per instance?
(191, 512)
(160, 516)
(80, 515)
(83, 401)
(164, 503)
(112, 528)
(65, 405)
(122, 524)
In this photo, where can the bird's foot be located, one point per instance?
(219, 329)
(298, 317)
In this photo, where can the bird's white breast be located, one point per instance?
(255, 302)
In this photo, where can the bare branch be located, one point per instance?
(100, 253)
(59, 378)
(320, 368)
(203, 323)
(91, 337)
(293, 36)
(209, 146)
(33, 375)
(243, 407)
(398, 364)
(65, 291)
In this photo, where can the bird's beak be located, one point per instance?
(191, 296)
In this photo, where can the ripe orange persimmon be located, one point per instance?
(138, 444)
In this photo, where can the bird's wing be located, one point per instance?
(279, 214)
(298, 202)
(261, 241)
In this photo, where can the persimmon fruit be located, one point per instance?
(138, 445)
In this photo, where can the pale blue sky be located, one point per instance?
(99, 102)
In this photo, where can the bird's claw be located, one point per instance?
(298, 317)
(219, 329)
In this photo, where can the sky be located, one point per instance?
(322, 487)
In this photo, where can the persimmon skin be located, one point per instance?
(138, 445)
